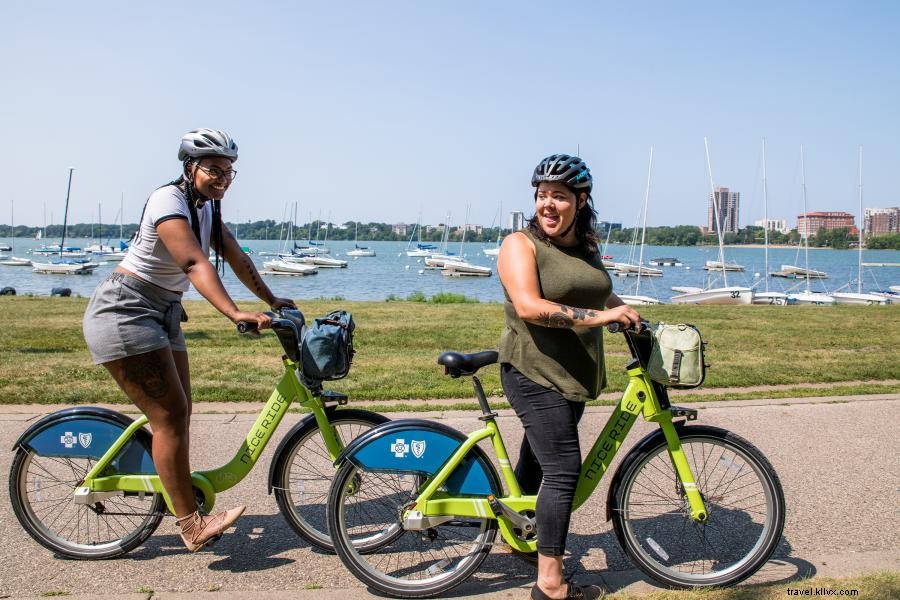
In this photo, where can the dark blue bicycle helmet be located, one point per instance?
(569, 170)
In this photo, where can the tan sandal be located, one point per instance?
(198, 530)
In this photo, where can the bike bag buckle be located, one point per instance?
(680, 411)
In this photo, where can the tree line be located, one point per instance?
(678, 235)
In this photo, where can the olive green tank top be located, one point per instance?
(569, 361)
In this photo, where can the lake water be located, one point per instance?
(391, 272)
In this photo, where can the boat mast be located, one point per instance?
(718, 223)
(62, 243)
(860, 243)
(805, 216)
(765, 216)
(637, 287)
(121, 214)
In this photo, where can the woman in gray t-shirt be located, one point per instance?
(133, 321)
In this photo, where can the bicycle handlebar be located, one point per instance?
(249, 326)
(619, 328)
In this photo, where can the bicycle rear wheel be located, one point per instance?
(364, 510)
(304, 472)
(41, 493)
(743, 498)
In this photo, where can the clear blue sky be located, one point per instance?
(373, 110)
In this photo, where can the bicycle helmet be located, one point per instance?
(566, 169)
(207, 142)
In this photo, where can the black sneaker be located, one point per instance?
(574, 592)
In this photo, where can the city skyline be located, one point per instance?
(369, 111)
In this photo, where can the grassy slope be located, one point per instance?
(43, 357)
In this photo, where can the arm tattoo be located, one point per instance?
(566, 317)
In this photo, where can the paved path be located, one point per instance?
(837, 459)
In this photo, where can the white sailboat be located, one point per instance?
(767, 297)
(284, 267)
(495, 249)
(637, 299)
(357, 249)
(859, 297)
(721, 295)
(458, 266)
(12, 260)
(64, 265)
(807, 296)
(420, 250)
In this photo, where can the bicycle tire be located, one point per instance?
(744, 500)
(412, 565)
(304, 471)
(41, 489)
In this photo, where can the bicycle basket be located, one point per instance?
(326, 350)
(676, 356)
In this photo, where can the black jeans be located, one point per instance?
(550, 454)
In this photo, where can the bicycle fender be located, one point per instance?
(298, 429)
(422, 447)
(650, 439)
(87, 432)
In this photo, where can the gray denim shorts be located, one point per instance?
(128, 316)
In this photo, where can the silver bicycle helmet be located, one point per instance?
(207, 142)
(566, 169)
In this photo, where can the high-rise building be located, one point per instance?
(879, 221)
(729, 205)
(779, 225)
(516, 220)
(810, 223)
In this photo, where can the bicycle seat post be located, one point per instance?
(486, 411)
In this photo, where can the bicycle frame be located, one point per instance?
(288, 390)
(638, 399)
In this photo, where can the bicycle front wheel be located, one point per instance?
(743, 498)
(304, 472)
(364, 511)
(41, 493)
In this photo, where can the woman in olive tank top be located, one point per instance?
(558, 297)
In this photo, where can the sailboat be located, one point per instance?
(637, 299)
(65, 266)
(105, 251)
(767, 297)
(357, 249)
(458, 266)
(420, 250)
(721, 295)
(859, 297)
(13, 261)
(807, 296)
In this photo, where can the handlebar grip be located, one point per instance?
(246, 326)
(619, 328)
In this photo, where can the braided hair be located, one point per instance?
(193, 196)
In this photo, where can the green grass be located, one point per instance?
(875, 586)
(43, 358)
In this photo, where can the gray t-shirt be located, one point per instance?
(147, 256)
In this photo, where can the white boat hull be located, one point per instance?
(771, 298)
(801, 272)
(14, 261)
(628, 269)
(361, 252)
(455, 268)
(854, 298)
(64, 268)
(811, 298)
(715, 265)
(292, 268)
(638, 300)
(727, 295)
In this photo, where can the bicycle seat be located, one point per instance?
(457, 364)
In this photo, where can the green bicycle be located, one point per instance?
(692, 506)
(83, 484)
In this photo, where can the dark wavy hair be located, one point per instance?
(585, 225)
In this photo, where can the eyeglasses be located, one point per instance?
(217, 173)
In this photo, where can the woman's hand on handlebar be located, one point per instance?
(282, 303)
(625, 316)
(251, 322)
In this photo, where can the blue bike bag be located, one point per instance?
(422, 447)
